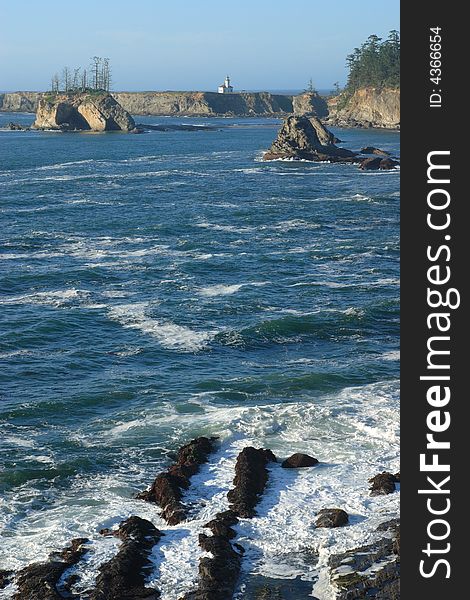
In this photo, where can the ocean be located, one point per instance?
(162, 286)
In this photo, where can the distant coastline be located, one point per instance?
(368, 107)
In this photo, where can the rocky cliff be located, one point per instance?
(367, 107)
(19, 101)
(192, 103)
(204, 103)
(95, 112)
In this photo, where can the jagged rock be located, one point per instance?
(373, 150)
(78, 112)
(6, 577)
(39, 580)
(325, 137)
(332, 517)
(372, 164)
(383, 483)
(218, 575)
(221, 524)
(299, 460)
(298, 140)
(364, 579)
(250, 480)
(123, 577)
(167, 488)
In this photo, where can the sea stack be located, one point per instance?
(88, 111)
(304, 138)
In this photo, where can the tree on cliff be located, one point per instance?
(98, 78)
(375, 63)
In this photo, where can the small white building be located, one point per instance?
(225, 88)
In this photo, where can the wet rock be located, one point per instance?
(222, 524)
(373, 150)
(167, 488)
(365, 579)
(299, 460)
(39, 580)
(16, 127)
(123, 577)
(218, 575)
(373, 164)
(300, 138)
(6, 577)
(332, 517)
(383, 483)
(250, 480)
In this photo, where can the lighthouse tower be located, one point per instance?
(225, 88)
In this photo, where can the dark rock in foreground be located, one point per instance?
(301, 138)
(123, 577)
(332, 517)
(39, 580)
(299, 460)
(364, 581)
(250, 480)
(167, 489)
(383, 483)
(218, 575)
(6, 577)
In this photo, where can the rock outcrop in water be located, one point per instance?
(82, 112)
(39, 580)
(123, 577)
(301, 139)
(167, 489)
(250, 480)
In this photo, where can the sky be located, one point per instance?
(189, 44)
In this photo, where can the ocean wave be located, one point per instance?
(169, 335)
(227, 290)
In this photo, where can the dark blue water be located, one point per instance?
(158, 286)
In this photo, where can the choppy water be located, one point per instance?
(161, 286)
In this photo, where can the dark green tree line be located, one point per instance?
(375, 63)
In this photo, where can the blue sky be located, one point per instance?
(189, 44)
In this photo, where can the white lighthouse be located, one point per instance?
(225, 88)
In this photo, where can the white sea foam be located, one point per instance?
(56, 298)
(354, 433)
(227, 290)
(168, 334)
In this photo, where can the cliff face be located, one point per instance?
(19, 101)
(82, 112)
(204, 103)
(367, 107)
(192, 103)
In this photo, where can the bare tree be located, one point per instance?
(76, 79)
(84, 80)
(95, 71)
(66, 79)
